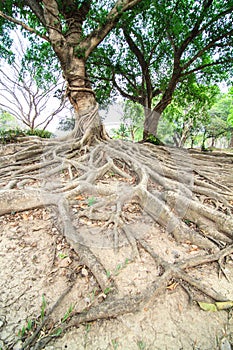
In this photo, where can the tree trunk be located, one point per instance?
(72, 60)
(152, 119)
(231, 140)
(212, 141)
(150, 123)
(82, 97)
(203, 141)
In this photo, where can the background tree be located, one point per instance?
(188, 112)
(219, 124)
(73, 29)
(169, 44)
(7, 121)
(26, 95)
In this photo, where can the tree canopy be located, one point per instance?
(145, 54)
(165, 46)
(73, 29)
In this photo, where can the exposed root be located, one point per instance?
(99, 192)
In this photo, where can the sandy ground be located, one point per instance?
(37, 264)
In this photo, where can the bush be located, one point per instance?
(45, 134)
(12, 135)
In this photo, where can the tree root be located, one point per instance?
(98, 192)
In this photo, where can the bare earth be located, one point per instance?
(35, 261)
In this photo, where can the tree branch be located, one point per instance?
(205, 66)
(23, 25)
(135, 49)
(91, 41)
(194, 32)
(36, 9)
(126, 95)
(212, 44)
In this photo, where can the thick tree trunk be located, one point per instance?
(82, 97)
(150, 123)
(73, 61)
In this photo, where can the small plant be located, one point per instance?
(91, 201)
(121, 266)
(45, 134)
(26, 330)
(107, 290)
(62, 255)
(153, 139)
(12, 135)
(141, 345)
(43, 308)
(115, 344)
(68, 313)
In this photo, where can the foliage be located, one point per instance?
(155, 48)
(66, 123)
(7, 121)
(93, 17)
(154, 140)
(131, 126)
(207, 116)
(187, 113)
(219, 124)
(122, 132)
(40, 133)
(12, 135)
(168, 46)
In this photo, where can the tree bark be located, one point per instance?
(73, 61)
(231, 140)
(152, 119)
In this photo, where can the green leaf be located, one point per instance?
(207, 306)
(62, 256)
(57, 332)
(68, 313)
(43, 307)
(107, 290)
(91, 201)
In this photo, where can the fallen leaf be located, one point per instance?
(172, 286)
(84, 272)
(224, 305)
(207, 306)
(79, 198)
(25, 216)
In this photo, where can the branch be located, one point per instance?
(92, 40)
(212, 44)
(124, 94)
(135, 49)
(23, 25)
(37, 10)
(195, 31)
(205, 66)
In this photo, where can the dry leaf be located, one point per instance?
(172, 286)
(224, 305)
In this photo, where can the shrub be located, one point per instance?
(12, 135)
